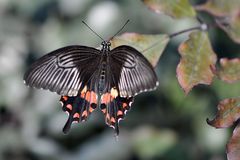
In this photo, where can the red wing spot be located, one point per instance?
(113, 120)
(84, 114)
(88, 96)
(104, 110)
(76, 115)
(93, 97)
(83, 92)
(119, 113)
(125, 105)
(107, 116)
(69, 106)
(91, 109)
(65, 98)
(82, 95)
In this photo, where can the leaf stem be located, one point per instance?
(202, 27)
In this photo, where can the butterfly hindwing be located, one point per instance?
(64, 70)
(79, 107)
(114, 108)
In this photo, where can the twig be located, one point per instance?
(202, 27)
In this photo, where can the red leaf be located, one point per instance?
(233, 146)
(228, 113)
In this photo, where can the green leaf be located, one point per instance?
(228, 113)
(230, 70)
(219, 7)
(197, 61)
(174, 8)
(231, 25)
(151, 46)
(233, 146)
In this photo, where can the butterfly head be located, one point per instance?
(106, 45)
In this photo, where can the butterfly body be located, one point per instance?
(87, 78)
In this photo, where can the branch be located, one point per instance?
(202, 27)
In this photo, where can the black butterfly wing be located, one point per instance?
(128, 74)
(132, 72)
(114, 108)
(65, 70)
(79, 107)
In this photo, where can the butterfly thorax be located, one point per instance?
(105, 47)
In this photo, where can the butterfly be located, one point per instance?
(87, 78)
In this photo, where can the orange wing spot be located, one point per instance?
(69, 106)
(113, 120)
(119, 113)
(84, 114)
(104, 110)
(125, 105)
(65, 98)
(76, 115)
(106, 98)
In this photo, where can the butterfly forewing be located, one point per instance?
(65, 70)
(132, 71)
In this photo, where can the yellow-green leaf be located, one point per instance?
(197, 61)
(233, 146)
(230, 70)
(151, 46)
(231, 25)
(219, 7)
(228, 113)
(174, 8)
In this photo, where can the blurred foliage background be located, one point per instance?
(164, 124)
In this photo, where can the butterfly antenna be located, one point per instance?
(119, 30)
(93, 30)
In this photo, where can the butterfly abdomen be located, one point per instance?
(102, 78)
